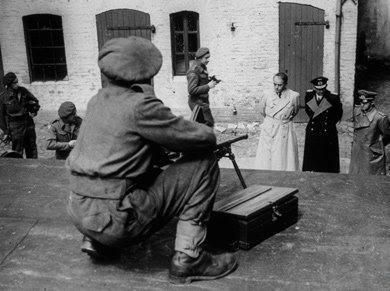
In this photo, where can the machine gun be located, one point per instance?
(224, 149)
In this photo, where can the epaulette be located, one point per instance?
(195, 69)
(309, 90)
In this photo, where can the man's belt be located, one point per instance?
(102, 188)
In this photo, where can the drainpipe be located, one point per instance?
(339, 5)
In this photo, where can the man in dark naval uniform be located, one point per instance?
(371, 134)
(321, 153)
(118, 194)
(199, 84)
(18, 108)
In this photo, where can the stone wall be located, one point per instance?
(245, 59)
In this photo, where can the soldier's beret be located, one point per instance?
(9, 78)
(129, 59)
(202, 52)
(319, 82)
(67, 108)
(366, 95)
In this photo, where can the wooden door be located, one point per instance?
(301, 45)
(122, 23)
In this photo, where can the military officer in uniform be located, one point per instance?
(321, 153)
(199, 84)
(63, 131)
(18, 108)
(118, 195)
(372, 132)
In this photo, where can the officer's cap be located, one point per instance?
(67, 108)
(202, 52)
(319, 82)
(129, 59)
(367, 95)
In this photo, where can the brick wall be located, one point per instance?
(245, 59)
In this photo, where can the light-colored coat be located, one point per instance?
(278, 146)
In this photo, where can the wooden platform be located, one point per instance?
(341, 241)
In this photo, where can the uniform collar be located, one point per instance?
(318, 108)
(278, 103)
(362, 119)
(61, 123)
(64, 126)
(370, 114)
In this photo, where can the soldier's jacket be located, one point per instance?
(14, 107)
(372, 131)
(59, 136)
(198, 78)
(120, 136)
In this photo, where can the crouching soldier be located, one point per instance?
(118, 196)
(63, 131)
(372, 132)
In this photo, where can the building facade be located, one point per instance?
(52, 45)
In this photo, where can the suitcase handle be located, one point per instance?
(275, 213)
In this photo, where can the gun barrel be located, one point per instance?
(229, 142)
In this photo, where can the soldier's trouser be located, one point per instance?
(186, 189)
(208, 117)
(24, 138)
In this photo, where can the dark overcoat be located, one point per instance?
(372, 132)
(321, 153)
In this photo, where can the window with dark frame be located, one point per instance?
(184, 39)
(45, 47)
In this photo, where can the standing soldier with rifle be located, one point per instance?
(199, 84)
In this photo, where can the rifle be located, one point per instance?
(224, 149)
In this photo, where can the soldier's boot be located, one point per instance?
(185, 269)
(96, 250)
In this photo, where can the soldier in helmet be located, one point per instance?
(371, 134)
(199, 84)
(18, 108)
(118, 195)
(63, 131)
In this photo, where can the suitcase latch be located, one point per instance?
(275, 213)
